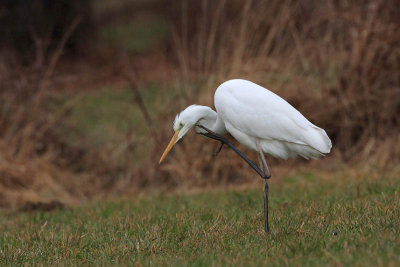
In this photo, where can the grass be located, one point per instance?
(108, 117)
(314, 221)
(135, 36)
(104, 116)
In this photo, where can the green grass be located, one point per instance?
(135, 37)
(314, 221)
(107, 117)
(104, 116)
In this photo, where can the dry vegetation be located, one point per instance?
(336, 61)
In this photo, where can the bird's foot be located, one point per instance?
(215, 136)
(212, 135)
(219, 149)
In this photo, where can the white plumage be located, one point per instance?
(251, 114)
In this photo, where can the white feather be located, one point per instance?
(251, 112)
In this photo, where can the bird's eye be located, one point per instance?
(180, 126)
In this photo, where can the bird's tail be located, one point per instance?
(318, 139)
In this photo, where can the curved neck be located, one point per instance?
(211, 120)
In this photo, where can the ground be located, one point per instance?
(315, 220)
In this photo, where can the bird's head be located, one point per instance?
(184, 121)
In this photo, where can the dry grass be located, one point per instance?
(30, 168)
(336, 61)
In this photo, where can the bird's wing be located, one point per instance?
(260, 113)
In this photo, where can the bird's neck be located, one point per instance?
(211, 120)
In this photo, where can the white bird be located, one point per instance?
(258, 119)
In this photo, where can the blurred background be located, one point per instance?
(89, 90)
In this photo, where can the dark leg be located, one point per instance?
(265, 174)
(219, 149)
(264, 166)
(266, 219)
(212, 135)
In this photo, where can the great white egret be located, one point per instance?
(258, 119)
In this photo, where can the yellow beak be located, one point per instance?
(170, 145)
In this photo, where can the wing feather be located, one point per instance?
(258, 112)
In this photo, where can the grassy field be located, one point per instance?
(314, 220)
